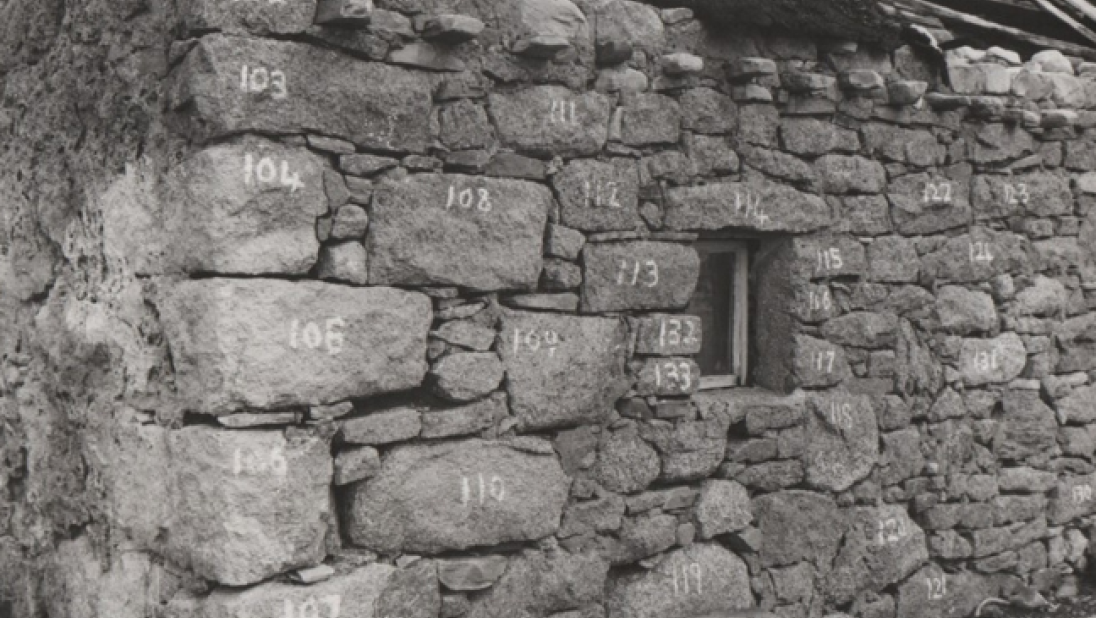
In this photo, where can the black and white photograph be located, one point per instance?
(547, 308)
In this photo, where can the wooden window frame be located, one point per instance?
(739, 331)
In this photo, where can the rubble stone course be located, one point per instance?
(398, 312)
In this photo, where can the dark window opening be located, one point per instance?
(721, 301)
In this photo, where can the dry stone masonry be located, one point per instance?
(354, 309)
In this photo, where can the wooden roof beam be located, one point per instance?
(958, 17)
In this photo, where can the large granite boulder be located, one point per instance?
(267, 344)
(247, 505)
(760, 206)
(562, 370)
(551, 120)
(883, 546)
(228, 84)
(450, 229)
(844, 440)
(639, 275)
(1042, 194)
(368, 592)
(599, 196)
(699, 580)
(992, 361)
(799, 526)
(246, 207)
(539, 584)
(455, 495)
(978, 257)
(933, 593)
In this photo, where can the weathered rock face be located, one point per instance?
(267, 345)
(724, 507)
(231, 84)
(932, 593)
(1027, 430)
(637, 275)
(799, 526)
(689, 449)
(247, 207)
(987, 361)
(449, 229)
(247, 505)
(1041, 194)
(844, 441)
(430, 499)
(549, 120)
(1079, 407)
(540, 584)
(362, 593)
(562, 370)
(882, 546)
(626, 463)
(753, 206)
(599, 197)
(698, 580)
(245, 17)
(471, 573)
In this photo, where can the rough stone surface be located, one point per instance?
(810, 137)
(467, 376)
(799, 526)
(650, 119)
(429, 498)
(928, 203)
(637, 275)
(382, 427)
(551, 120)
(312, 87)
(476, 573)
(356, 464)
(1043, 194)
(235, 346)
(719, 582)
(424, 231)
(991, 361)
(562, 370)
(1027, 432)
(272, 494)
(248, 207)
(540, 584)
(464, 420)
(883, 546)
(844, 444)
(355, 594)
(343, 262)
(626, 463)
(931, 592)
(724, 507)
(762, 206)
(244, 17)
(689, 449)
(1079, 406)
(962, 311)
(599, 197)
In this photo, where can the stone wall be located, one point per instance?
(325, 321)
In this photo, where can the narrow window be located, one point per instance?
(721, 301)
